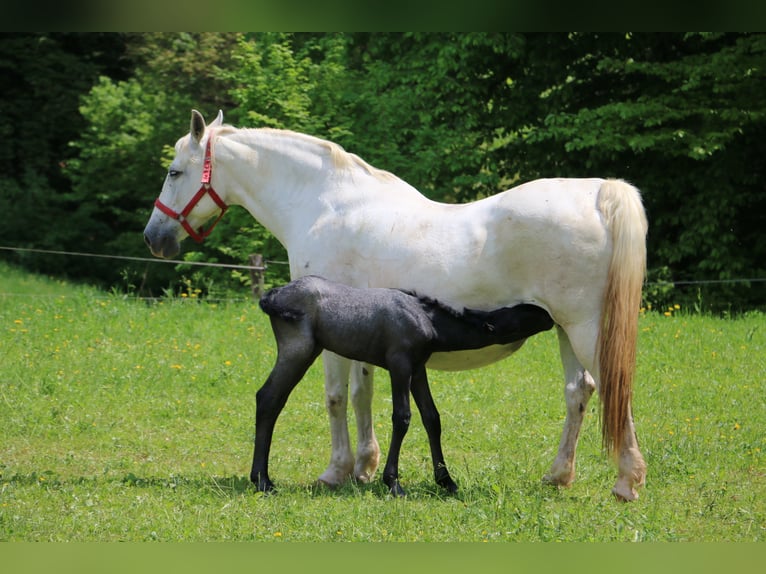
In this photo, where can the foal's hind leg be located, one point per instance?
(291, 365)
(432, 423)
(579, 387)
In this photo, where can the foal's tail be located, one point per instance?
(623, 213)
(273, 306)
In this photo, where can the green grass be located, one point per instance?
(127, 420)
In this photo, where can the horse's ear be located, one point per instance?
(218, 121)
(197, 128)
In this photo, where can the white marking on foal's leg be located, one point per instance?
(577, 391)
(367, 449)
(336, 399)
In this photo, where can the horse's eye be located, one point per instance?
(173, 173)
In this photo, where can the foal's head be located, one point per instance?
(520, 319)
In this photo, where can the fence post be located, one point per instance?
(256, 274)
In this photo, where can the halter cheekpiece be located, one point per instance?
(200, 234)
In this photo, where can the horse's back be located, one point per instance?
(543, 242)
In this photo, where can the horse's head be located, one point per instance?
(187, 200)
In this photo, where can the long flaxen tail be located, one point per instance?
(623, 213)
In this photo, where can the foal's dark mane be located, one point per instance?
(431, 303)
(474, 317)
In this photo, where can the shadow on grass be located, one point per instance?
(237, 486)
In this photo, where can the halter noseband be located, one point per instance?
(199, 234)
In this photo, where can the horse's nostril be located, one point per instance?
(146, 240)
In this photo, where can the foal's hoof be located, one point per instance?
(263, 484)
(444, 480)
(448, 485)
(395, 488)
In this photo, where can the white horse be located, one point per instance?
(576, 247)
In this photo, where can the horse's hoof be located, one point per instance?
(625, 494)
(366, 465)
(363, 476)
(332, 479)
(558, 481)
(324, 484)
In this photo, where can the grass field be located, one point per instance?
(128, 420)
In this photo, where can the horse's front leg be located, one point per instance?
(579, 387)
(432, 423)
(367, 448)
(336, 372)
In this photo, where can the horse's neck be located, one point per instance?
(288, 181)
(259, 176)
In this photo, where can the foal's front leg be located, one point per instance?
(400, 420)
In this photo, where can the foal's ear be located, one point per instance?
(197, 128)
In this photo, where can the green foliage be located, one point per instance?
(122, 156)
(459, 115)
(44, 76)
(681, 116)
(424, 107)
(276, 82)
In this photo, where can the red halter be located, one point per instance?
(200, 234)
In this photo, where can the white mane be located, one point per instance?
(341, 159)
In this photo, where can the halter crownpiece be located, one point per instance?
(205, 188)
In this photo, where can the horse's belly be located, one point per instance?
(465, 360)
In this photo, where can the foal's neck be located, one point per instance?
(461, 331)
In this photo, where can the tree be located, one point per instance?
(424, 108)
(123, 154)
(44, 76)
(682, 116)
(459, 116)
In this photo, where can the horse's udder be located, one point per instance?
(466, 360)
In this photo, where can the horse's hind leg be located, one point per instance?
(336, 372)
(367, 448)
(579, 387)
(429, 414)
(631, 465)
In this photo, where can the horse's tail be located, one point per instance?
(623, 213)
(273, 306)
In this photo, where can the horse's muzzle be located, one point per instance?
(163, 245)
